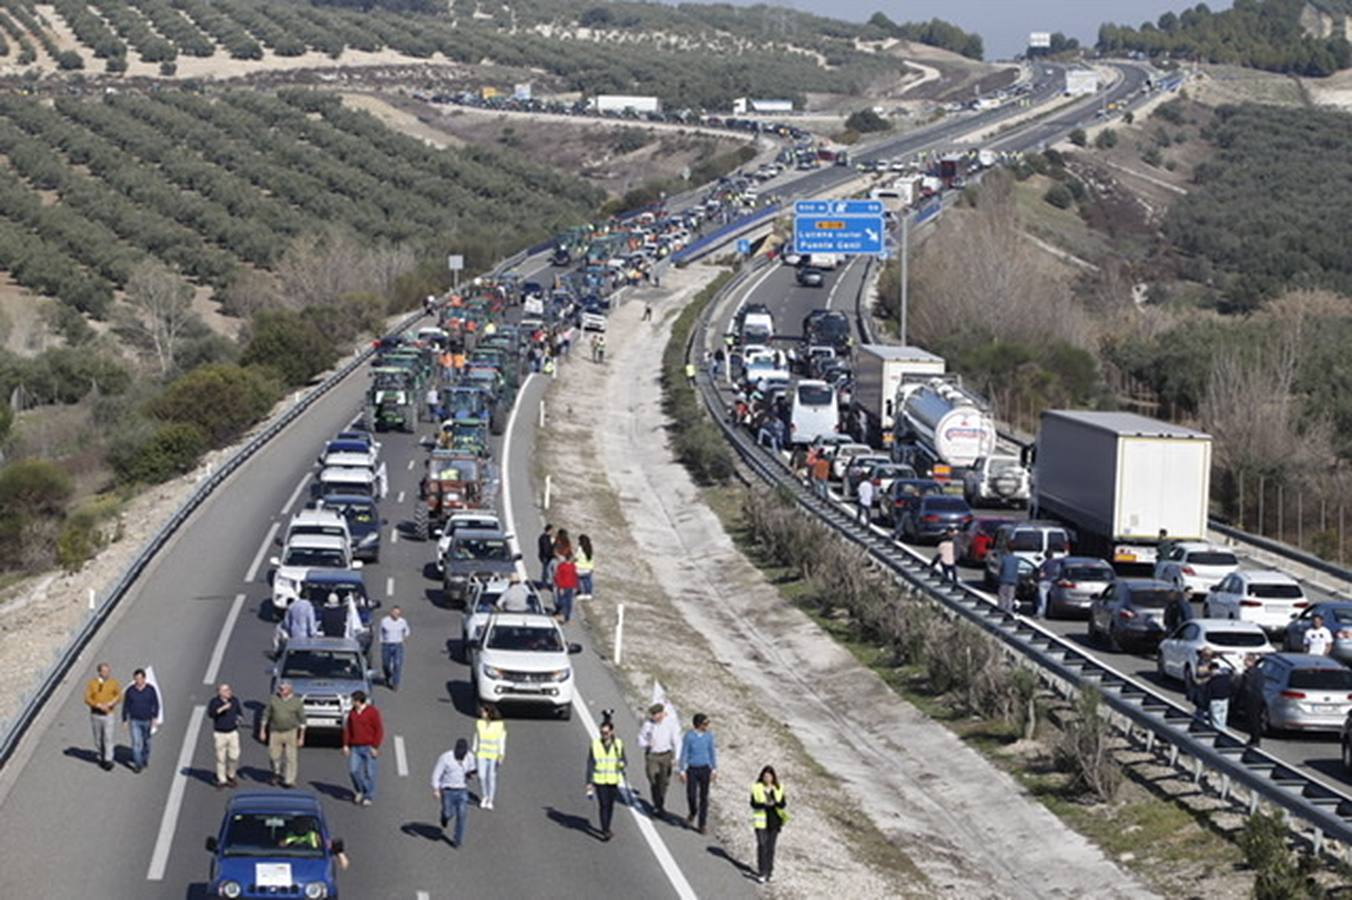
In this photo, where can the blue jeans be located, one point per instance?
(140, 742)
(455, 805)
(392, 661)
(563, 602)
(1220, 711)
(361, 765)
(584, 583)
(1043, 589)
(488, 777)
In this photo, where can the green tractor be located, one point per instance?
(391, 401)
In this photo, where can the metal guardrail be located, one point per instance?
(17, 726)
(1156, 723)
(717, 238)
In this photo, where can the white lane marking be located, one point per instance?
(645, 826)
(840, 279)
(400, 499)
(159, 860)
(389, 587)
(400, 756)
(410, 465)
(394, 535)
(670, 867)
(262, 551)
(218, 653)
(755, 287)
(290, 501)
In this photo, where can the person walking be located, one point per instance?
(394, 631)
(1218, 689)
(102, 694)
(605, 769)
(363, 733)
(565, 587)
(660, 738)
(768, 816)
(1318, 639)
(864, 497)
(583, 558)
(433, 404)
(821, 476)
(140, 709)
(946, 557)
(283, 729)
(690, 374)
(699, 767)
(544, 549)
(1008, 581)
(1251, 695)
(601, 348)
(298, 623)
(490, 751)
(450, 785)
(647, 312)
(225, 711)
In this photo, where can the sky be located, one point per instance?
(1004, 24)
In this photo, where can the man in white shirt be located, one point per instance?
(1318, 640)
(393, 631)
(516, 598)
(865, 491)
(660, 738)
(450, 784)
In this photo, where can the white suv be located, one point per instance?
(301, 554)
(523, 658)
(1269, 598)
(1196, 568)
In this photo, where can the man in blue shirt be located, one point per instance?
(140, 709)
(1009, 581)
(699, 766)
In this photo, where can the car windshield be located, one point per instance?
(1236, 638)
(1321, 679)
(338, 665)
(1025, 541)
(331, 530)
(272, 834)
(1212, 558)
(483, 549)
(1340, 614)
(1003, 465)
(338, 488)
(1089, 573)
(454, 470)
(946, 504)
(316, 558)
(525, 637)
(832, 326)
(356, 513)
(1276, 591)
(347, 447)
(814, 395)
(1152, 599)
(464, 402)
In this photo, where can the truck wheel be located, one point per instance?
(420, 527)
(495, 423)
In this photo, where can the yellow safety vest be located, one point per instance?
(758, 796)
(490, 738)
(584, 562)
(606, 763)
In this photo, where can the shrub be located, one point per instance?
(221, 400)
(292, 344)
(168, 68)
(80, 538)
(866, 121)
(166, 452)
(35, 487)
(68, 60)
(698, 443)
(1084, 750)
(1106, 139)
(1079, 138)
(1059, 195)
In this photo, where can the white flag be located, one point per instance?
(151, 680)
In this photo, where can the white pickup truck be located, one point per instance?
(996, 480)
(522, 658)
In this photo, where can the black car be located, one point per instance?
(561, 257)
(903, 493)
(933, 514)
(826, 327)
(808, 276)
(363, 523)
(1130, 614)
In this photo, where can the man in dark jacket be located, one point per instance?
(1250, 693)
(225, 712)
(544, 548)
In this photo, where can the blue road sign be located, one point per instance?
(838, 208)
(744, 246)
(838, 233)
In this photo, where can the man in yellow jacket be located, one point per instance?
(102, 694)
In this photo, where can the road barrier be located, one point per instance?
(715, 239)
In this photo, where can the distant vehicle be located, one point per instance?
(560, 257)
(301, 553)
(324, 672)
(903, 494)
(364, 523)
(1074, 583)
(997, 479)
(933, 515)
(1304, 693)
(943, 425)
(483, 605)
(825, 261)
(859, 469)
(1130, 613)
(1337, 619)
(840, 458)
(1270, 598)
(880, 371)
(1196, 567)
(1229, 641)
(273, 843)
(523, 658)
(813, 412)
(825, 327)
(475, 553)
(469, 518)
(810, 277)
(1034, 541)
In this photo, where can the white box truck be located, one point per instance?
(879, 370)
(618, 103)
(1123, 481)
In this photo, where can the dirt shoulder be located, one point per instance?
(888, 802)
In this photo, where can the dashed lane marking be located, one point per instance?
(218, 654)
(262, 551)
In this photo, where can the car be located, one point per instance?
(1034, 541)
(483, 603)
(1304, 693)
(475, 553)
(902, 493)
(522, 658)
(810, 276)
(1337, 619)
(1196, 567)
(316, 521)
(299, 555)
(789, 258)
(842, 454)
(1129, 614)
(858, 469)
(1229, 640)
(932, 515)
(883, 474)
(974, 541)
(992, 480)
(469, 518)
(350, 587)
(1074, 583)
(364, 523)
(348, 480)
(1268, 597)
(350, 446)
(272, 844)
(324, 672)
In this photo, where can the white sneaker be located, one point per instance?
(357, 799)
(483, 803)
(490, 804)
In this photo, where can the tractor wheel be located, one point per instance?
(420, 525)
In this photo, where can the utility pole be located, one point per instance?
(904, 252)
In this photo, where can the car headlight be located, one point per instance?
(561, 675)
(230, 889)
(492, 672)
(316, 889)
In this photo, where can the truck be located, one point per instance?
(1122, 481)
(619, 103)
(941, 428)
(879, 372)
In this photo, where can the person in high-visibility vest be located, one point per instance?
(605, 769)
(490, 747)
(768, 816)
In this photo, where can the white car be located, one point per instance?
(316, 521)
(523, 658)
(483, 604)
(472, 518)
(350, 481)
(592, 321)
(301, 554)
(840, 460)
(1230, 640)
(1269, 598)
(1196, 568)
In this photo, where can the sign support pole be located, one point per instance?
(903, 260)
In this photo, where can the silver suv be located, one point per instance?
(1035, 542)
(324, 672)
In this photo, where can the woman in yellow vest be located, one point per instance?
(490, 748)
(768, 815)
(582, 557)
(605, 769)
